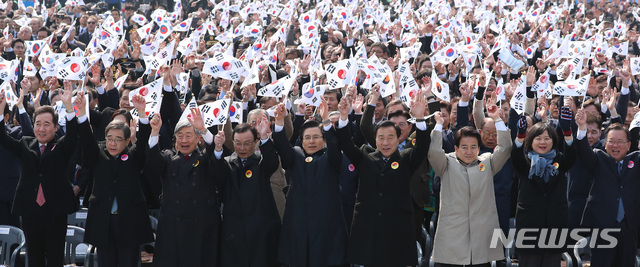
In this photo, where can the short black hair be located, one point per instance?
(399, 113)
(46, 109)
(334, 91)
(385, 124)
(467, 131)
(308, 125)
(243, 128)
(616, 126)
(15, 41)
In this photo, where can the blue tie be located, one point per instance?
(620, 206)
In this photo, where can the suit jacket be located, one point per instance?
(540, 204)
(468, 213)
(251, 225)
(190, 207)
(314, 230)
(9, 163)
(609, 186)
(382, 231)
(47, 170)
(116, 178)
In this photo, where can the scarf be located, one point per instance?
(541, 165)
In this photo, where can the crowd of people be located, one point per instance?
(320, 133)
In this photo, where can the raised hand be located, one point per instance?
(565, 120)
(323, 109)
(196, 120)
(542, 109)
(66, 96)
(218, 140)
(357, 104)
(156, 123)
(344, 109)
(522, 127)
(280, 112)
(81, 103)
(140, 104)
(263, 127)
(531, 76)
(375, 95)
(418, 105)
(95, 74)
(438, 117)
(3, 103)
(581, 120)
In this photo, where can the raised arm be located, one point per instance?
(6, 141)
(586, 155)
(284, 148)
(366, 124)
(502, 151)
(154, 161)
(437, 157)
(270, 161)
(345, 143)
(419, 152)
(141, 144)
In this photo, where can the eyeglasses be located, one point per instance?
(115, 140)
(91, 22)
(617, 143)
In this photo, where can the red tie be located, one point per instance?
(40, 198)
(186, 157)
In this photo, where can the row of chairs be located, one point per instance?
(13, 243)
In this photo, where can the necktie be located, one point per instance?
(186, 157)
(40, 198)
(244, 162)
(42, 150)
(385, 160)
(620, 206)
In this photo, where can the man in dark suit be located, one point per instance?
(612, 201)
(382, 232)
(10, 164)
(189, 220)
(85, 37)
(251, 225)
(44, 195)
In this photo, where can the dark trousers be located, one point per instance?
(6, 218)
(114, 254)
(45, 236)
(623, 254)
(488, 264)
(540, 260)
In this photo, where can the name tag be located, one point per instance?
(71, 232)
(4, 230)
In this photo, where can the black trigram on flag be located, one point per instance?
(331, 69)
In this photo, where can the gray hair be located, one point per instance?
(182, 124)
(118, 125)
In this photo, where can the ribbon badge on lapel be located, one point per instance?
(556, 165)
(481, 167)
(196, 164)
(124, 157)
(630, 165)
(54, 147)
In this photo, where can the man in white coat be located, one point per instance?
(468, 214)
